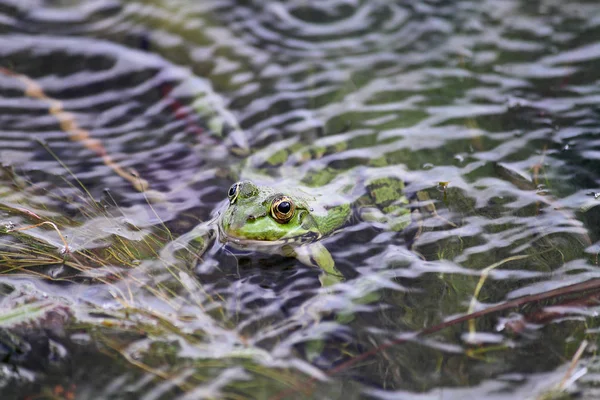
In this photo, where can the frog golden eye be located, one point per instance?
(233, 192)
(282, 209)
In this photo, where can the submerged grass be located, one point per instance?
(159, 319)
(163, 322)
(156, 302)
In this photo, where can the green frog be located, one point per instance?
(290, 221)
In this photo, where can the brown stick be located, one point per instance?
(70, 126)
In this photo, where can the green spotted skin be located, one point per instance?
(387, 194)
(249, 215)
(248, 221)
(251, 220)
(387, 203)
(336, 217)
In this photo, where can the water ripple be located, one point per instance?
(489, 107)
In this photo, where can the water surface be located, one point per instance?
(497, 100)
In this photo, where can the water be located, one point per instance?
(498, 99)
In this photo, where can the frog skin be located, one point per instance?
(291, 222)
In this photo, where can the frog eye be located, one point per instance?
(282, 209)
(233, 192)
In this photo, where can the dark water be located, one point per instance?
(497, 98)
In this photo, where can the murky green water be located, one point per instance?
(496, 100)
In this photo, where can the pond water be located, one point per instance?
(124, 123)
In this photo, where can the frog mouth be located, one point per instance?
(226, 237)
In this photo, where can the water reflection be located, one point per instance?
(496, 98)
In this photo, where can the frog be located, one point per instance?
(292, 221)
(287, 221)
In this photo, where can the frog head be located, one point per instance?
(265, 214)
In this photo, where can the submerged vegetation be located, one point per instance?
(472, 126)
(155, 336)
(153, 314)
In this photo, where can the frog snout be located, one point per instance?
(238, 223)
